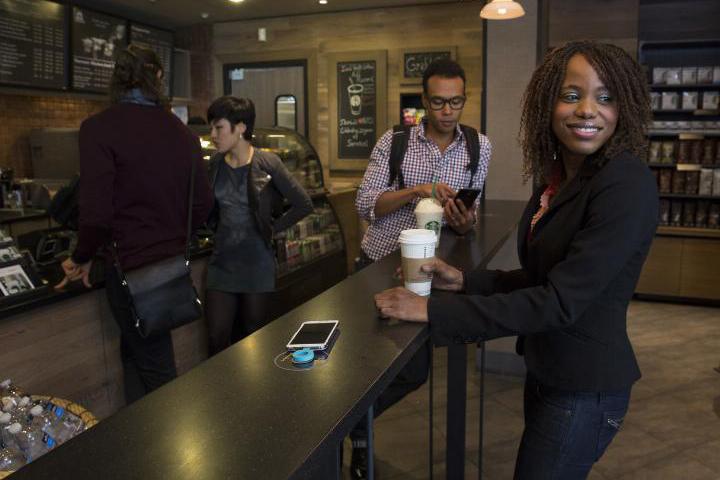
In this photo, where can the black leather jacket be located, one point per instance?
(269, 182)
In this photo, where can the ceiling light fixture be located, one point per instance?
(236, 1)
(204, 15)
(502, 10)
(322, 2)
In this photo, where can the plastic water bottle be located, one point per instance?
(55, 421)
(11, 459)
(5, 437)
(8, 389)
(33, 443)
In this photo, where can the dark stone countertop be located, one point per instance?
(240, 416)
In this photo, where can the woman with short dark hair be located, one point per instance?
(250, 186)
(135, 167)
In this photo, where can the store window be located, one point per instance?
(286, 111)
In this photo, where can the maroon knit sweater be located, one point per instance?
(135, 165)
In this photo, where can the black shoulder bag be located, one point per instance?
(161, 295)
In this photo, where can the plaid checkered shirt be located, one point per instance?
(423, 163)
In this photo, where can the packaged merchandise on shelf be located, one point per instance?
(690, 100)
(659, 75)
(665, 180)
(664, 212)
(717, 152)
(683, 151)
(714, 215)
(654, 152)
(676, 213)
(701, 214)
(655, 100)
(670, 101)
(689, 75)
(696, 151)
(689, 209)
(711, 100)
(667, 152)
(705, 185)
(692, 181)
(709, 146)
(673, 76)
(716, 75)
(716, 182)
(705, 75)
(678, 182)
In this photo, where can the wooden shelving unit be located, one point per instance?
(684, 261)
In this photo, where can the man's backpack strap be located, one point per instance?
(473, 146)
(401, 133)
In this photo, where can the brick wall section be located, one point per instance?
(199, 40)
(19, 114)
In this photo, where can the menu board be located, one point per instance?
(97, 39)
(357, 108)
(33, 43)
(159, 40)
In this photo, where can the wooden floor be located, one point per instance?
(672, 430)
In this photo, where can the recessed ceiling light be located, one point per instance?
(236, 1)
(322, 2)
(204, 15)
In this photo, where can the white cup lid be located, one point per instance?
(417, 236)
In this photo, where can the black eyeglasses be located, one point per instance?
(438, 103)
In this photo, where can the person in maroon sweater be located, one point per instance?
(135, 167)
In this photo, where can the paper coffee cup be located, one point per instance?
(429, 215)
(417, 247)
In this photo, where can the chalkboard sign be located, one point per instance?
(97, 39)
(33, 43)
(415, 63)
(161, 41)
(357, 108)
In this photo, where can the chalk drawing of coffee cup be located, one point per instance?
(354, 91)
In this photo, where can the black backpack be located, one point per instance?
(400, 143)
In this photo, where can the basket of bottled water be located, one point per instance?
(31, 426)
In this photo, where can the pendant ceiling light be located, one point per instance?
(502, 10)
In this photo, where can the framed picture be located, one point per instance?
(357, 106)
(416, 60)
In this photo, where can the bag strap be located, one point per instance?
(401, 133)
(191, 195)
(473, 147)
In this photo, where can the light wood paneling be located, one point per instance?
(700, 276)
(71, 350)
(661, 272)
(391, 29)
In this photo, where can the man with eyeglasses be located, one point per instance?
(436, 163)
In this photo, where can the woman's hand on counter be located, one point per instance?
(74, 272)
(402, 304)
(445, 277)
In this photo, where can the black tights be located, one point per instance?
(231, 317)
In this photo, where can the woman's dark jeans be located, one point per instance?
(566, 432)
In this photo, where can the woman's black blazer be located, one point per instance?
(579, 270)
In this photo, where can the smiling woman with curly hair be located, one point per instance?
(582, 242)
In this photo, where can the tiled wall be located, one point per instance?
(19, 114)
